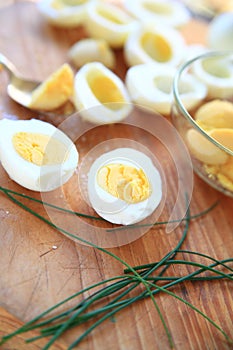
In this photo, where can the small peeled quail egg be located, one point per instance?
(97, 86)
(217, 74)
(64, 13)
(154, 44)
(124, 186)
(163, 11)
(91, 50)
(151, 86)
(36, 155)
(54, 91)
(109, 22)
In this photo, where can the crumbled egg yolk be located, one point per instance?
(105, 90)
(156, 47)
(39, 149)
(55, 90)
(216, 118)
(124, 182)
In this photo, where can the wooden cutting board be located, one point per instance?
(34, 276)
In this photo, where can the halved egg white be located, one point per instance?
(154, 44)
(151, 86)
(116, 210)
(36, 155)
(64, 13)
(91, 50)
(97, 86)
(217, 74)
(220, 32)
(171, 13)
(109, 22)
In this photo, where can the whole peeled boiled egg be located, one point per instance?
(97, 86)
(36, 155)
(124, 186)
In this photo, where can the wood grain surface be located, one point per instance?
(33, 276)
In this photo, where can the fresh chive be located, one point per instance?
(119, 287)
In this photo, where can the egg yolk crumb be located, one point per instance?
(124, 182)
(39, 149)
(216, 118)
(55, 90)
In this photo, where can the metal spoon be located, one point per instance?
(20, 89)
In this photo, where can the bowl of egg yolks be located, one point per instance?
(207, 129)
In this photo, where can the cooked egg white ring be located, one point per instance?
(116, 210)
(154, 44)
(217, 74)
(85, 99)
(168, 12)
(151, 86)
(62, 14)
(29, 175)
(109, 22)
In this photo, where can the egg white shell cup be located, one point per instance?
(151, 86)
(31, 176)
(85, 99)
(66, 15)
(171, 13)
(216, 74)
(109, 22)
(135, 53)
(116, 210)
(91, 50)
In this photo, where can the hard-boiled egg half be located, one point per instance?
(216, 73)
(151, 86)
(54, 91)
(154, 44)
(220, 32)
(64, 13)
(124, 186)
(168, 12)
(109, 22)
(36, 155)
(91, 50)
(97, 86)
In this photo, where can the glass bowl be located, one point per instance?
(207, 128)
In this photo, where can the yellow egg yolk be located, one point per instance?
(156, 47)
(39, 149)
(216, 118)
(55, 90)
(105, 90)
(124, 182)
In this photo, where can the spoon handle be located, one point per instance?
(7, 65)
